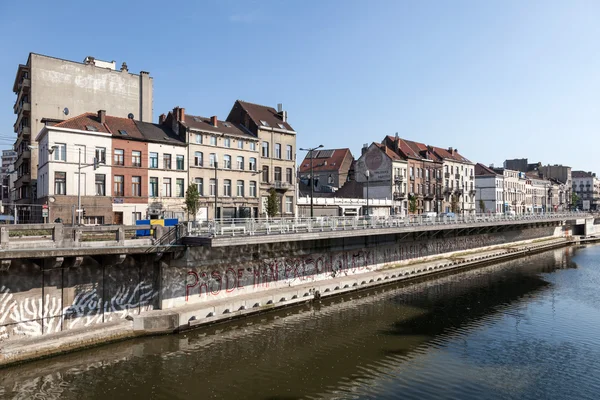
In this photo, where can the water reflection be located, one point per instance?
(466, 335)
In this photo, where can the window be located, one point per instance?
(265, 149)
(252, 146)
(136, 158)
(119, 185)
(212, 187)
(136, 216)
(166, 161)
(153, 187)
(278, 150)
(179, 187)
(199, 185)
(240, 162)
(330, 179)
(265, 173)
(60, 153)
(60, 183)
(252, 164)
(166, 187)
(227, 187)
(240, 144)
(198, 138)
(227, 161)
(198, 158)
(288, 175)
(227, 142)
(100, 185)
(213, 140)
(153, 160)
(101, 155)
(240, 188)
(136, 186)
(289, 203)
(277, 174)
(119, 157)
(288, 152)
(264, 123)
(252, 189)
(212, 159)
(180, 162)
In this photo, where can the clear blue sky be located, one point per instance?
(495, 79)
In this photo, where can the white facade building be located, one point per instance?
(167, 180)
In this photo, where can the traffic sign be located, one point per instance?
(44, 212)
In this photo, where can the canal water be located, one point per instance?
(524, 329)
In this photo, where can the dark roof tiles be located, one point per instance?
(260, 114)
(332, 163)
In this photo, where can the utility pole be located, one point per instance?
(216, 188)
(79, 190)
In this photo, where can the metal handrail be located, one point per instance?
(291, 225)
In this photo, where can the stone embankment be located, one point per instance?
(220, 310)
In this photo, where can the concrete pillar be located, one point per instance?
(58, 235)
(4, 238)
(77, 235)
(121, 235)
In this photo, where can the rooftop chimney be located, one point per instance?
(282, 114)
(214, 121)
(179, 114)
(102, 116)
(161, 119)
(450, 150)
(124, 67)
(279, 107)
(364, 149)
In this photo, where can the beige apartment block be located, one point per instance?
(53, 89)
(277, 152)
(223, 163)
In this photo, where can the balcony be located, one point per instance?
(447, 175)
(472, 192)
(399, 195)
(24, 85)
(412, 177)
(429, 195)
(280, 185)
(447, 190)
(457, 176)
(23, 179)
(24, 106)
(471, 177)
(24, 131)
(459, 192)
(398, 179)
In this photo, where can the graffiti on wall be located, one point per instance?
(30, 316)
(204, 281)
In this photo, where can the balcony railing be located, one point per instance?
(399, 195)
(281, 185)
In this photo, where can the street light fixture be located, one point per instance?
(312, 178)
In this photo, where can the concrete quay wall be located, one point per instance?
(42, 301)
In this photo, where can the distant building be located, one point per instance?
(9, 157)
(459, 181)
(562, 175)
(587, 187)
(521, 165)
(329, 167)
(51, 88)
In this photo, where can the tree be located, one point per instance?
(454, 204)
(412, 204)
(481, 205)
(574, 200)
(272, 203)
(192, 201)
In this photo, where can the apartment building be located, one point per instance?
(49, 88)
(587, 188)
(329, 168)
(561, 175)
(223, 163)
(489, 188)
(458, 181)
(116, 160)
(386, 178)
(7, 171)
(277, 161)
(424, 174)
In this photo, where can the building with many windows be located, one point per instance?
(49, 88)
(458, 181)
(329, 167)
(128, 170)
(587, 188)
(223, 163)
(277, 151)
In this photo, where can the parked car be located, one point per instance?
(448, 215)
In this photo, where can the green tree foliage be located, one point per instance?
(272, 203)
(192, 201)
(412, 204)
(481, 205)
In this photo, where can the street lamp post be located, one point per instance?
(312, 178)
(216, 187)
(368, 174)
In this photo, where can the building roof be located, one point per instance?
(449, 154)
(582, 174)
(325, 160)
(412, 149)
(260, 114)
(481, 170)
(205, 124)
(122, 128)
(389, 152)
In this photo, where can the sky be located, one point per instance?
(495, 79)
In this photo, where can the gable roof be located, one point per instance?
(581, 174)
(204, 124)
(267, 114)
(481, 169)
(450, 154)
(389, 152)
(115, 126)
(325, 160)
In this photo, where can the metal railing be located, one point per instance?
(264, 226)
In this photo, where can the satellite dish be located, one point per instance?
(66, 111)
(130, 116)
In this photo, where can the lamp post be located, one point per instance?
(368, 174)
(312, 178)
(216, 187)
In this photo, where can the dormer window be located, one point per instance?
(91, 128)
(264, 123)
